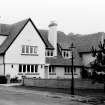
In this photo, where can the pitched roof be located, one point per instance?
(64, 42)
(13, 31)
(84, 43)
(60, 61)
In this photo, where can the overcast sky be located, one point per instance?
(77, 16)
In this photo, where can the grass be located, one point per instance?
(81, 92)
(96, 96)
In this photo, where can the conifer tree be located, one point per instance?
(98, 65)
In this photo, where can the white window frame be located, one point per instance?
(65, 52)
(50, 51)
(34, 50)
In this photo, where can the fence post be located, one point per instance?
(23, 77)
(8, 79)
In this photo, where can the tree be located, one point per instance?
(98, 65)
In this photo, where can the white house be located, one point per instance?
(26, 50)
(22, 50)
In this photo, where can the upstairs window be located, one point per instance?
(66, 53)
(29, 50)
(49, 53)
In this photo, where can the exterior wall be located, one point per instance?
(60, 73)
(1, 59)
(13, 55)
(1, 69)
(52, 37)
(87, 58)
(12, 70)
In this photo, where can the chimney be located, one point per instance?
(52, 35)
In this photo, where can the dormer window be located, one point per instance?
(66, 53)
(49, 52)
(31, 50)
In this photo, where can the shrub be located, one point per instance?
(3, 79)
(14, 80)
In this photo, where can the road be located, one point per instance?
(15, 96)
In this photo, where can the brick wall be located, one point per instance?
(61, 83)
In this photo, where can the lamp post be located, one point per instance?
(72, 72)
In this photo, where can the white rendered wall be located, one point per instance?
(60, 73)
(28, 36)
(1, 59)
(1, 69)
(87, 58)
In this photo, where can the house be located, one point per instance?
(26, 50)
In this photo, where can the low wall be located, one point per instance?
(61, 83)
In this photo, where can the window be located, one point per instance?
(28, 68)
(52, 70)
(66, 53)
(29, 49)
(75, 70)
(36, 68)
(23, 49)
(67, 70)
(20, 68)
(24, 68)
(32, 68)
(49, 53)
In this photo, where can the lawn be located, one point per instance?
(94, 95)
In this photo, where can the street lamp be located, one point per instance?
(72, 72)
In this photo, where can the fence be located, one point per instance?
(61, 83)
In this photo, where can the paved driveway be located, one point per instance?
(15, 96)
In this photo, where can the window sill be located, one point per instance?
(30, 54)
(49, 56)
(28, 73)
(71, 74)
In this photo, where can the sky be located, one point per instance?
(77, 16)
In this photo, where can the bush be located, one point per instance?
(3, 79)
(14, 80)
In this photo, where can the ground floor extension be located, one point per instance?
(38, 71)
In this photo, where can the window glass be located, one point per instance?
(53, 69)
(28, 68)
(35, 49)
(48, 53)
(24, 68)
(32, 68)
(31, 49)
(20, 68)
(36, 68)
(50, 69)
(27, 49)
(23, 49)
